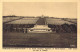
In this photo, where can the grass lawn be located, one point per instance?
(55, 40)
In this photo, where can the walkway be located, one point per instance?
(41, 21)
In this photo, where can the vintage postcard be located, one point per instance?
(40, 26)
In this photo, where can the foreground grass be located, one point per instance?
(60, 40)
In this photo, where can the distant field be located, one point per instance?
(33, 20)
(24, 21)
(71, 20)
(20, 20)
(10, 19)
(60, 40)
(58, 21)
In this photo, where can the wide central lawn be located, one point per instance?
(59, 40)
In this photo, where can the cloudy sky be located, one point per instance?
(52, 9)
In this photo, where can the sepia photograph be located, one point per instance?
(39, 24)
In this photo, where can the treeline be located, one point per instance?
(16, 27)
(64, 28)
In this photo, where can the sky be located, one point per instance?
(51, 9)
